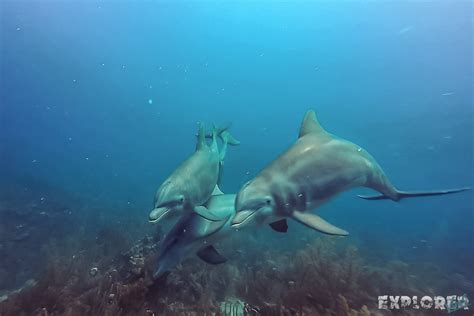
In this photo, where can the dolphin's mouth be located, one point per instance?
(158, 213)
(242, 217)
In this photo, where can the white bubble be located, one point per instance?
(34, 160)
(150, 101)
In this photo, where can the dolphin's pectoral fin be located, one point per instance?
(317, 223)
(210, 255)
(206, 214)
(280, 226)
(405, 194)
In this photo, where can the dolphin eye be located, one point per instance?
(181, 199)
(269, 201)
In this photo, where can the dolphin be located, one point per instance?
(314, 169)
(195, 234)
(192, 183)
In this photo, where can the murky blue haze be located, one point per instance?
(101, 100)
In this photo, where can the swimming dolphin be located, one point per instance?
(314, 169)
(195, 234)
(192, 183)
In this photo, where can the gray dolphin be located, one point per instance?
(192, 183)
(314, 169)
(195, 234)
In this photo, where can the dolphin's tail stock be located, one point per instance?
(408, 194)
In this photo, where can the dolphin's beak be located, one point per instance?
(242, 217)
(158, 213)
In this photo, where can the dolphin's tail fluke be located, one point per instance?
(408, 194)
(225, 135)
(227, 138)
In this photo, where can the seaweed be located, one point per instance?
(321, 278)
(100, 267)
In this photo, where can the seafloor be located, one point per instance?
(63, 256)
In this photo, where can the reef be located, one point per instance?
(321, 278)
(83, 265)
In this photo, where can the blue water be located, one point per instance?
(101, 99)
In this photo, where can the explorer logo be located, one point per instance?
(449, 303)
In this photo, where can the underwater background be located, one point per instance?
(99, 103)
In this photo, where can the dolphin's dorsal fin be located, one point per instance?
(310, 124)
(217, 191)
(201, 142)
